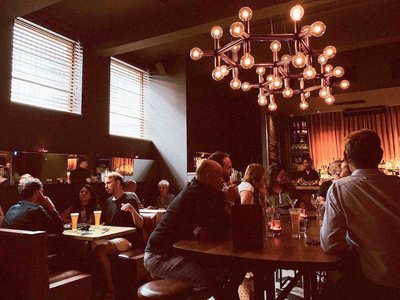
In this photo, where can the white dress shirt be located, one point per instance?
(363, 212)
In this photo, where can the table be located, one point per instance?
(158, 213)
(281, 252)
(98, 233)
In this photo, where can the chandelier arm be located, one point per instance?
(269, 37)
(208, 53)
(265, 65)
(229, 46)
(229, 61)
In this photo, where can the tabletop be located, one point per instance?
(98, 232)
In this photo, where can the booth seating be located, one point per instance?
(24, 270)
(164, 289)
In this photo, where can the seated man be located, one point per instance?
(121, 209)
(130, 188)
(198, 212)
(35, 211)
(362, 213)
(308, 175)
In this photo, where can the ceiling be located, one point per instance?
(150, 31)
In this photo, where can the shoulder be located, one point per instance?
(245, 186)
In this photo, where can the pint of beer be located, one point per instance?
(97, 215)
(74, 221)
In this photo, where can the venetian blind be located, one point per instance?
(128, 89)
(46, 69)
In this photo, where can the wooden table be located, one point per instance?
(158, 213)
(98, 233)
(281, 252)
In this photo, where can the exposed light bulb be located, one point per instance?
(330, 51)
(329, 99)
(217, 74)
(275, 46)
(328, 68)
(217, 32)
(272, 106)
(276, 83)
(246, 86)
(262, 100)
(287, 92)
(196, 53)
(236, 29)
(245, 13)
(303, 105)
(338, 72)
(305, 28)
(344, 84)
(318, 29)
(307, 94)
(323, 59)
(224, 70)
(299, 60)
(247, 61)
(323, 92)
(235, 84)
(270, 77)
(296, 12)
(309, 73)
(260, 70)
(235, 48)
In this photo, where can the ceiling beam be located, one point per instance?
(124, 46)
(17, 8)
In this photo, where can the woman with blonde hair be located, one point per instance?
(252, 188)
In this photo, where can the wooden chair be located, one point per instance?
(24, 270)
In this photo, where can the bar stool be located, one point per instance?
(164, 289)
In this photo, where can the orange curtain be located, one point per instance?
(328, 130)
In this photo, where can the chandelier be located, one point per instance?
(285, 74)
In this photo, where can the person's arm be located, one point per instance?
(137, 218)
(246, 197)
(50, 219)
(334, 228)
(66, 215)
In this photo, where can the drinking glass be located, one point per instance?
(269, 217)
(97, 215)
(74, 221)
(295, 220)
(292, 201)
(303, 223)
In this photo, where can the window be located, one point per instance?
(46, 69)
(127, 101)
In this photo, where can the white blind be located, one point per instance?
(128, 90)
(46, 70)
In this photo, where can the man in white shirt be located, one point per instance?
(363, 214)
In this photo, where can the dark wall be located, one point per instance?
(219, 118)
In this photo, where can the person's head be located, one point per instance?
(334, 168)
(224, 161)
(308, 163)
(363, 149)
(114, 183)
(130, 186)
(83, 163)
(30, 189)
(255, 175)
(345, 169)
(277, 175)
(87, 198)
(3, 172)
(210, 173)
(163, 187)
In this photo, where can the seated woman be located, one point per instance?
(165, 198)
(84, 204)
(252, 188)
(280, 190)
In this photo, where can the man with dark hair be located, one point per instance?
(35, 211)
(81, 174)
(308, 175)
(363, 214)
(121, 209)
(196, 213)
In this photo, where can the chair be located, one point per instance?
(164, 289)
(24, 270)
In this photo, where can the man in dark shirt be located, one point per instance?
(308, 175)
(198, 212)
(34, 212)
(121, 209)
(81, 174)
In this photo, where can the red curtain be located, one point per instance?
(328, 130)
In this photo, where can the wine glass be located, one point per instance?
(292, 201)
(317, 203)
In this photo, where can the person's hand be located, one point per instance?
(128, 207)
(231, 193)
(46, 202)
(200, 233)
